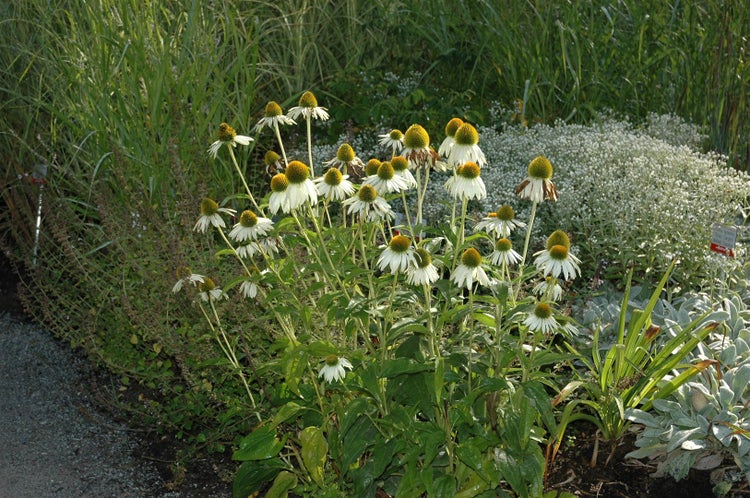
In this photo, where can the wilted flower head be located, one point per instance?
(417, 147)
(347, 161)
(538, 186)
(185, 276)
(273, 163)
(229, 137)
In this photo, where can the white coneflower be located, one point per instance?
(417, 147)
(273, 118)
(450, 132)
(504, 253)
(308, 108)
(500, 223)
(401, 168)
(273, 163)
(334, 368)
(371, 168)
(386, 181)
(250, 227)
(333, 185)
(424, 272)
(279, 200)
(227, 136)
(538, 186)
(208, 291)
(466, 183)
(211, 215)
(470, 270)
(398, 256)
(347, 162)
(301, 189)
(393, 140)
(268, 246)
(249, 289)
(541, 319)
(549, 288)
(185, 276)
(368, 204)
(466, 147)
(557, 261)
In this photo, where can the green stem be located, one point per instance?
(244, 182)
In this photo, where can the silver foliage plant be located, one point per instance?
(706, 422)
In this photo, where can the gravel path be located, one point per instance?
(53, 441)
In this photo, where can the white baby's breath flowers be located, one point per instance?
(541, 319)
(211, 215)
(334, 368)
(229, 137)
(470, 270)
(398, 256)
(250, 227)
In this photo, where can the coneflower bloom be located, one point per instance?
(549, 288)
(470, 270)
(250, 227)
(538, 186)
(229, 137)
(185, 276)
(371, 168)
(249, 289)
(273, 163)
(308, 108)
(466, 147)
(423, 272)
(466, 183)
(211, 215)
(273, 118)
(557, 261)
(268, 246)
(333, 185)
(301, 189)
(450, 132)
(398, 256)
(279, 200)
(504, 253)
(541, 319)
(334, 368)
(368, 204)
(347, 162)
(393, 140)
(500, 223)
(401, 168)
(417, 147)
(385, 180)
(208, 291)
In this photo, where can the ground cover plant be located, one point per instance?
(113, 100)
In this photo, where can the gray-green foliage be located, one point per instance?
(707, 419)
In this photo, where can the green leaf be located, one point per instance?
(286, 412)
(253, 476)
(261, 444)
(283, 483)
(400, 366)
(314, 452)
